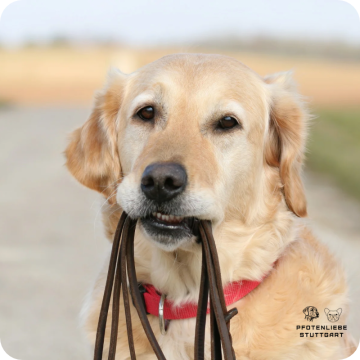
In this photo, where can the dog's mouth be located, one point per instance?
(168, 229)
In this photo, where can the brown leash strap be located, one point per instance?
(100, 334)
(122, 269)
(219, 317)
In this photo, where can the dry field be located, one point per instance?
(69, 76)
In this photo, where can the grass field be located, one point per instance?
(69, 76)
(334, 146)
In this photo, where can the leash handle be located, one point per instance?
(122, 267)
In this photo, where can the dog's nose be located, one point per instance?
(163, 181)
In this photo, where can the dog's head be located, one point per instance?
(193, 136)
(333, 315)
(311, 313)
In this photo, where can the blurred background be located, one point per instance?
(55, 55)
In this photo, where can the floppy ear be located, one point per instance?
(92, 154)
(327, 311)
(339, 311)
(285, 143)
(306, 311)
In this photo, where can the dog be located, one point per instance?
(333, 315)
(194, 136)
(311, 313)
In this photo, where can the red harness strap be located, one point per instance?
(233, 292)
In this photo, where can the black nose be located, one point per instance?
(163, 181)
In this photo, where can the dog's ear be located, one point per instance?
(327, 311)
(92, 153)
(339, 310)
(306, 311)
(285, 143)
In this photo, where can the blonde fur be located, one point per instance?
(247, 182)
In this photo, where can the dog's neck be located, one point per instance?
(245, 252)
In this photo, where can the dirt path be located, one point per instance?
(51, 247)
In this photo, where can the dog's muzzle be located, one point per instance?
(162, 183)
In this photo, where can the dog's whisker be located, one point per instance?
(111, 184)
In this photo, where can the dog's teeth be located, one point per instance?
(168, 218)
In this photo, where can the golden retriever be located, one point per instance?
(203, 136)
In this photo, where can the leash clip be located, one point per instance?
(164, 323)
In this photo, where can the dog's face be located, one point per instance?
(333, 315)
(192, 136)
(311, 313)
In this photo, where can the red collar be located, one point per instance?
(233, 292)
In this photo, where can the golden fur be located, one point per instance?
(247, 182)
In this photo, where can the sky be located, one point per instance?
(145, 22)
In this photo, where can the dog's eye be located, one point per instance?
(147, 113)
(227, 122)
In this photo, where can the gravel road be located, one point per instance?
(51, 242)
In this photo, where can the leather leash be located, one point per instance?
(122, 267)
